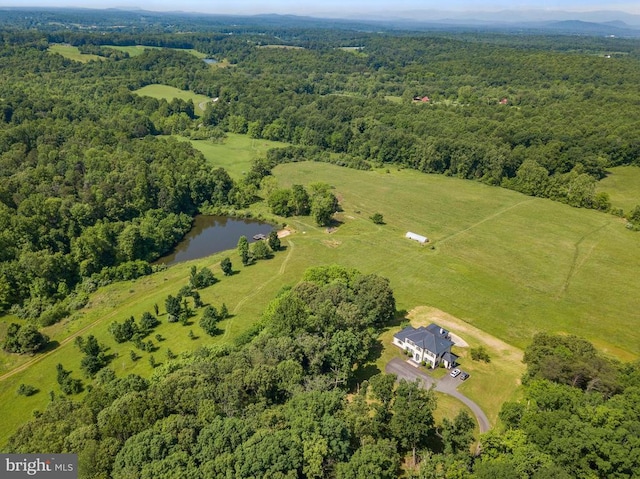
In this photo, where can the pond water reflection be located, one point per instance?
(211, 234)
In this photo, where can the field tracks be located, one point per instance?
(578, 262)
(256, 291)
(484, 220)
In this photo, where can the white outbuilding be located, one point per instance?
(416, 237)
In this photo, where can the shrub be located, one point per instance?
(480, 354)
(377, 218)
(27, 390)
(148, 321)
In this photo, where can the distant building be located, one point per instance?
(504, 101)
(431, 345)
(416, 237)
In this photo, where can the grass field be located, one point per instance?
(499, 262)
(623, 186)
(243, 293)
(167, 92)
(235, 154)
(506, 263)
(135, 50)
(72, 53)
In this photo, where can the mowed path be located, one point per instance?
(40, 356)
(446, 385)
(256, 291)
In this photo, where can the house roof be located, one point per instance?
(450, 357)
(432, 338)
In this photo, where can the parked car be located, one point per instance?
(464, 376)
(455, 373)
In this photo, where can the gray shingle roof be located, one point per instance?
(432, 338)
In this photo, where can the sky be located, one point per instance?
(302, 7)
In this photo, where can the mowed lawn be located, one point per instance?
(501, 262)
(235, 154)
(167, 92)
(623, 185)
(72, 53)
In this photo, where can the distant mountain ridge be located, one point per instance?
(629, 20)
(596, 23)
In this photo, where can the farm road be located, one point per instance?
(446, 385)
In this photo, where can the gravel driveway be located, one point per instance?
(446, 385)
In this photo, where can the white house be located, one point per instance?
(431, 345)
(416, 237)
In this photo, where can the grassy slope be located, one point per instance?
(169, 93)
(505, 263)
(245, 294)
(235, 154)
(72, 53)
(623, 186)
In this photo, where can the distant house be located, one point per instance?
(425, 99)
(416, 237)
(431, 345)
(504, 101)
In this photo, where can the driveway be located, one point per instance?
(446, 385)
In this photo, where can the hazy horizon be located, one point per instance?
(337, 8)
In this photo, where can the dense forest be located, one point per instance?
(91, 180)
(94, 185)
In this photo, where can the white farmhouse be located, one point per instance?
(431, 345)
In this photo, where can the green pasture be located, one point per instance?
(135, 50)
(167, 92)
(623, 185)
(243, 293)
(498, 261)
(507, 263)
(235, 153)
(72, 53)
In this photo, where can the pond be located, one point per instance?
(211, 234)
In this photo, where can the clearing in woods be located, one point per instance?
(511, 266)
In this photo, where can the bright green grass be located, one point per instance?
(623, 186)
(135, 50)
(235, 154)
(245, 295)
(167, 92)
(72, 53)
(505, 263)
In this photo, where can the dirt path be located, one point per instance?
(424, 315)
